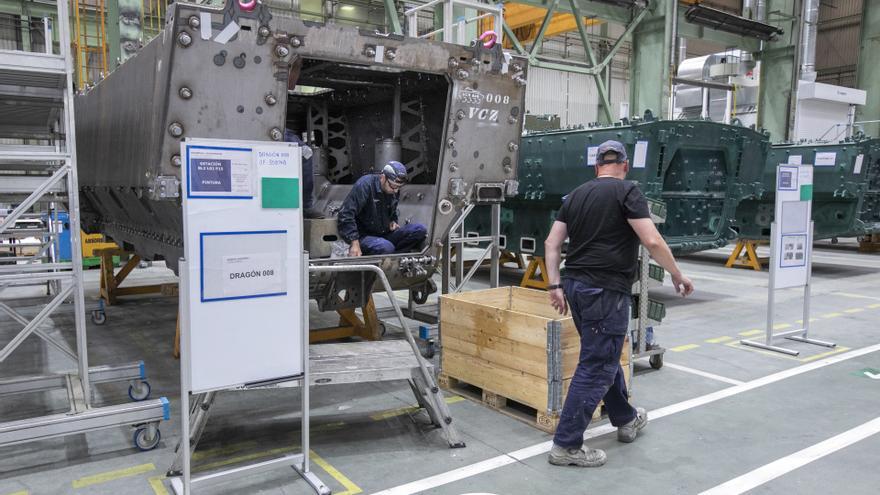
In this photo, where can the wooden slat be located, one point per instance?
(519, 327)
(516, 385)
(510, 354)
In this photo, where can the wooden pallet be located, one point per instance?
(869, 244)
(542, 420)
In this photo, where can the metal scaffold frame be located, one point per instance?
(41, 174)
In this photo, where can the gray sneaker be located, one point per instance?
(560, 456)
(628, 432)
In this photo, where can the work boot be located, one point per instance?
(628, 432)
(561, 456)
(312, 214)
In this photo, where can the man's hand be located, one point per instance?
(393, 226)
(683, 285)
(355, 249)
(557, 300)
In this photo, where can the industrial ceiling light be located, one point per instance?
(731, 23)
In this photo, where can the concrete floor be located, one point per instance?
(721, 411)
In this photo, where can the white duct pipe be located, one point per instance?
(748, 9)
(761, 10)
(809, 32)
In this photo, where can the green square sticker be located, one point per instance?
(280, 192)
(806, 192)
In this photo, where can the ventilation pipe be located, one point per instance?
(749, 9)
(808, 40)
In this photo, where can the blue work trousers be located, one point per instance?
(405, 239)
(601, 317)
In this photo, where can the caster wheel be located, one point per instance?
(430, 350)
(383, 329)
(139, 391)
(656, 361)
(143, 441)
(99, 317)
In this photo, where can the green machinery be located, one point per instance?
(699, 170)
(715, 182)
(846, 189)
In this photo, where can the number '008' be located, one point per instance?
(490, 98)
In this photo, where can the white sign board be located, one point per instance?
(790, 245)
(242, 308)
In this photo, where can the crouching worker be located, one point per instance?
(368, 218)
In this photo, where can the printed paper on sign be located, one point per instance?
(794, 160)
(857, 168)
(220, 172)
(249, 275)
(825, 159)
(640, 155)
(592, 153)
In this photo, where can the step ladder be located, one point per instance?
(39, 177)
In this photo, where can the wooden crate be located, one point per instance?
(511, 343)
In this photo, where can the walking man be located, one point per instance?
(604, 220)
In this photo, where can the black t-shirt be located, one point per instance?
(602, 248)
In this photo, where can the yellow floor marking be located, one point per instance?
(781, 326)
(801, 322)
(350, 487)
(853, 310)
(157, 486)
(224, 450)
(410, 409)
(874, 306)
(23, 492)
(832, 315)
(242, 458)
(737, 345)
(718, 340)
(685, 347)
(328, 426)
(96, 479)
(749, 333)
(824, 354)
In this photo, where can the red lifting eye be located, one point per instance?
(247, 5)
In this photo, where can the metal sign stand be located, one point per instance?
(198, 414)
(244, 269)
(791, 253)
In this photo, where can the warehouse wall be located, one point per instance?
(837, 46)
(572, 96)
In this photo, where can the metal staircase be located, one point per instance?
(38, 176)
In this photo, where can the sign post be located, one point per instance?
(244, 287)
(791, 252)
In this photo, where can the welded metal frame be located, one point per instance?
(590, 66)
(458, 237)
(82, 417)
(800, 334)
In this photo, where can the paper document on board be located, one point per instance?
(253, 274)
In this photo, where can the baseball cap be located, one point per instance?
(394, 171)
(610, 146)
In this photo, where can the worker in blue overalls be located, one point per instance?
(368, 218)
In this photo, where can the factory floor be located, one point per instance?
(725, 418)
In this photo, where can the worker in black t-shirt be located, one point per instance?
(604, 220)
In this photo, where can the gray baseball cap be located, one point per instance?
(614, 146)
